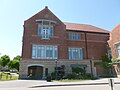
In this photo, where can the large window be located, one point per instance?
(45, 31)
(74, 36)
(75, 54)
(44, 52)
(118, 50)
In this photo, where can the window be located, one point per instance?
(44, 52)
(75, 54)
(118, 50)
(74, 36)
(45, 31)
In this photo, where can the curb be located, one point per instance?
(71, 85)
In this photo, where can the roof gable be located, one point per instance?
(45, 14)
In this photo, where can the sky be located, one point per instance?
(101, 13)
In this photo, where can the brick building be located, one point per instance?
(114, 43)
(48, 43)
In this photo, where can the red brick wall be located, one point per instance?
(97, 45)
(114, 39)
(30, 34)
(96, 42)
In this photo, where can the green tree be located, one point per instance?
(106, 64)
(115, 60)
(18, 57)
(4, 60)
(14, 64)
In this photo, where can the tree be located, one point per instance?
(106, 64)
(14, 64)
(115, 60)
(4, 60)
(18, 57)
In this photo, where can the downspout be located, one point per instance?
(87, 55)
(86, 47)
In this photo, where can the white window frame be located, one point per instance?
(45, 31)
(71, 53)
(74, 36)
(44, 48)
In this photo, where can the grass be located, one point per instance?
(5, 76)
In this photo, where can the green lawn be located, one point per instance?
(5, 76)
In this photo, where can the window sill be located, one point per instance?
(45, 38)
(75, 60)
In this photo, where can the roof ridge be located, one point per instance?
(75, 23)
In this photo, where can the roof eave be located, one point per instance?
(88, 31)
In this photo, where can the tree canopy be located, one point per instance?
(18, 57)
(4, 60)
(14, 64)
(106, 64)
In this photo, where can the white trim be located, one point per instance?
(35, 53)
(35, 65)
(38, 20)
(79, 51)
(45, 32)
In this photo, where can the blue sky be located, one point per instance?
(101, 13)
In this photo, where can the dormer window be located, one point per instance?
(45, 28)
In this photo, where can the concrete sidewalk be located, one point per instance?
(87, 82)
(19, 84)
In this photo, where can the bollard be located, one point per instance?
(111, 83)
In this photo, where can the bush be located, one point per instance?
(73, 76)
(79, 76)
(53, 75)
(70, 76)
(60, 75)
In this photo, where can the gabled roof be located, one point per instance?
(84, 27)
(116, 27)
(45, 14)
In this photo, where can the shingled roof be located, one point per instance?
(84, 27)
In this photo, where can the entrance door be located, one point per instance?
(35, 72)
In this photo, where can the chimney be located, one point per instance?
(46, 7)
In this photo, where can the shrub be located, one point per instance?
(78, 70)
(53, 75)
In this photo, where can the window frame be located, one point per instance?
(72, 51)
(118, 50)
(45, 31)
(74, 36)
(44, 48)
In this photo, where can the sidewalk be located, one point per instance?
(34, 84)
(87, 82)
